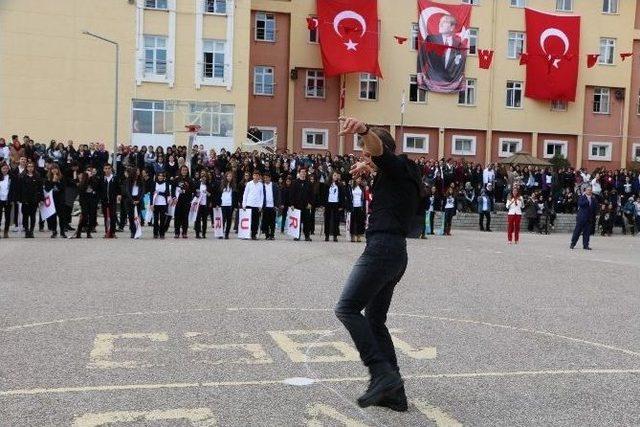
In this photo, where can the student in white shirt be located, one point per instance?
(356, 206)
(270, 203)
(204, 193)
(449, 211)
(159, 205)
(514, 216)
(333, 206)
(253, 199)
(228, 201)
(7, 194)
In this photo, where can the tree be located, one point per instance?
(559, 162)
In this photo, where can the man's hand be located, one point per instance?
(360, 169)
(351, 126)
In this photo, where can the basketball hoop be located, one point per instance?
(193, 129)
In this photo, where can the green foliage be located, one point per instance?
(559, 162)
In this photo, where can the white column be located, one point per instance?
(199, 4)
(228, 55)
(171, 44)
(139, 41)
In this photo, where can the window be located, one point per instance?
(472, 2)
(155, 4)
(607, 51)
(473, 41)
(636, 153)
(357, 140)
(463, 145)
(467, 96)
(515, 46)
(368, 87)
(517, 3)
(551, 148)
(213, 59)
(315, 84)
(509, 147)
(416, 143)
(265, 27)
(155, 55)
(216, 119)
(600, 151)
(315, 138)
(263, 80)
(216, 6)
(514, 94)
(314, 35)
(415, 93)
(610, 6)
(150, 117)
(559, 105)
(564, 5)
(601, 97)
(415, 31)
(268, 134)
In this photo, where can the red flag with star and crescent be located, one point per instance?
(553, 52)
(349, 36)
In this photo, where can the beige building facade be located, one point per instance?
(228, 65)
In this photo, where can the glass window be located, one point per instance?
(315, 84)
(315, 138)
(472, 2)
(416, 143)
(518, 3)
(314, 35)
(155, 4)
(515, 46)
(607, 51)
(213, 59)
(415, 93)
(265, 26)
(514, 94)
(464, 146)
(600, 151)
(473, 41)
(214, 118)
(150, 117)
(509, 147)
(467, 96)
(610, 6)
(216, 6)
(368, 87)
(553, 148)
(415, 31)
(559, 105)
(564, 5)
(155, 55)
(263, 81)
(601, 100)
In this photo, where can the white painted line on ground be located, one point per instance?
(437, 415)
(215, 384)
(201, 417)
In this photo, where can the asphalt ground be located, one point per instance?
(241, 333)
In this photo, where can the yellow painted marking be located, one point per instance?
(320, 411)
(424, 353)
(257, 355)
(104, 347)
(215, 384)
(297, 353)
(437, 415)
(200, 417)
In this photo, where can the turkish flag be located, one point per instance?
(349, 36)
(524, 59)
(553, 47)
(592, 58)
(312, 23)
(625, 55)
(485, 57)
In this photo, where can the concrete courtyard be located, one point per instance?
(241, 333)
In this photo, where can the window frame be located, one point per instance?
(371, 79)
(315, 31)
(153, 75)
(610, 2)
(472, 2)
(609, 151)
(523, 2)
(564, 2)
(419, 91)
(519, 39)
(504, 154)
(273, 129)
(415, 37)
(474, 88)
(324, 132)
(214, 117)
(423, 136)
(156, 7)
(471, 152)
(213, 79)
(206, 11)
(635, 149)
(600, 103)
(564, 150)
(476, 38)
(273, 84)
(513, 90)
(316, 79)
(554, 106)
(154, 111)
(603, 59)
(266, 20)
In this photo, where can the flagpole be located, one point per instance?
(341, 105)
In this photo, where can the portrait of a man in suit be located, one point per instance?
(442, 58)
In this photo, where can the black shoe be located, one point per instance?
(70, 228)
(89, 236)
(307, 239)
(326, 238)
(396, 401)
(54, 234)
(296, 239)
(572, 247)
(335, 239)
(380, 387)
(197, 236)
(489, 230)
(63, 235)
(226, 237)
(587, 249)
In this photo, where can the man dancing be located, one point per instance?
(370, 286)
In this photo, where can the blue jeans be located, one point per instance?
(370, 287)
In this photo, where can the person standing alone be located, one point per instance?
(396, 194)
(587, 208)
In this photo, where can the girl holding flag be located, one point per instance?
(54, 185)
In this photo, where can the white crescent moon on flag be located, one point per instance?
(549, 32)
(349, 14)
(426, 14)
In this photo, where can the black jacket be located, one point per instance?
(30, 189)
(108, 191)
(301, 194)
(186, 185)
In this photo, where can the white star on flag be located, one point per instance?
(351, 45)
(464, 34)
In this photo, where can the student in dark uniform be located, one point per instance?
(183, 190)
(70, 179)
(55, 184)
(159, 196)
(285, 200)
(108, 190)
(132, 194)
(204, 193)
(370, 287)
(88, 198)
(30, 195)
(269, 206)
(228, 201)
(302, 199)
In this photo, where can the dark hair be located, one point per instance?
(386, 138)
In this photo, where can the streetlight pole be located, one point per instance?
(115, 114)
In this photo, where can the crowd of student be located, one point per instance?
(160, 180)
